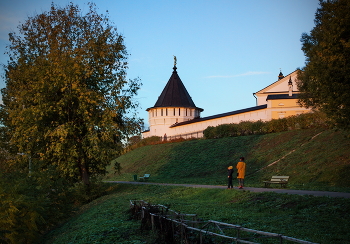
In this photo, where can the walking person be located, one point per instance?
(229, 177)
(240, 172)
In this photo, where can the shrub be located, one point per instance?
(303, 121)
(209, 132)
(30, 206)
(25, 208)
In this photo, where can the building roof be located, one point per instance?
(220, 115)
(175, 94)
(276, 82)
(281, 96)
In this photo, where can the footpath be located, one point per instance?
(252, 189)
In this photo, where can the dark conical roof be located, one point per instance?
(175, 94)
(280, 76)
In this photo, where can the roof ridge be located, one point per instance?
(276, 81)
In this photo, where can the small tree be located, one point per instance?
(67, 102)
(325, 80)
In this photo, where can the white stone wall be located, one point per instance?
(237, 118)
(160, 125)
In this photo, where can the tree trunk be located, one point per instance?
(84, 174)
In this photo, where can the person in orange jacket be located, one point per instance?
(240, 172)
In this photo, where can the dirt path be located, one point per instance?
(252, 189)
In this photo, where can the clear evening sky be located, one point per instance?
(226, 49)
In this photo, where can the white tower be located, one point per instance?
(174, 105)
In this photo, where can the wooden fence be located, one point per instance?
(174, 227)
(197, 134)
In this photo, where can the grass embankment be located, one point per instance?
(321, 163)
(316, 219)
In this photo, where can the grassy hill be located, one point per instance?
(106, 220)
(314, 159)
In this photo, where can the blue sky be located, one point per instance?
(226, 49)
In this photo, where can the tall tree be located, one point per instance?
(67, 102)
(325, 80)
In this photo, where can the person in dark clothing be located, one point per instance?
(229, 177)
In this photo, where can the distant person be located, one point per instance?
(165, 137)
(240, 172)
(229, 177)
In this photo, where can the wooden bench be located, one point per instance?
(144, 177)
(282, 180)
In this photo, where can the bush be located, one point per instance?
(303, 121)
(209, 132)
(25, 209)
(30, 206)
(277, 125)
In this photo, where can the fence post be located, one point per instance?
(173, 229)
(152, 221)
(181, 232)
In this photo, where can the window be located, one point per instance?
(166, 112)
(179, 111)
(161, 112)
(281, 114)
(174, 111)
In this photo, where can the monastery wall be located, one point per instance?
(196, 129)
(175, 114)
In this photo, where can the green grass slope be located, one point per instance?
(313, 158)
(106, 220)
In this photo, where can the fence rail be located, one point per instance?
(175, 227)
(197, 134)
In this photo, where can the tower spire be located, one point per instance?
(280, 76)
(175, 94)
(290, 87)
